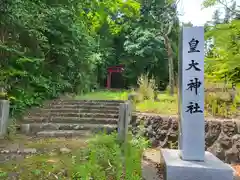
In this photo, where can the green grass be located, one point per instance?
(47, 165)
(100, 158)
(104, 95)
(168, 105)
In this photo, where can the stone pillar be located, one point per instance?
(190, 161)
(125, 115)
(191, 96)
(4, 116)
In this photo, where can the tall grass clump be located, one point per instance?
(219, 101)
(105, 159)
(146, 87)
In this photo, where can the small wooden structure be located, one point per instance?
(113, 70)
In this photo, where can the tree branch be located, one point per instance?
(226, 6)
(169, 28)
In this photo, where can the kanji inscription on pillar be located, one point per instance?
(191, 94)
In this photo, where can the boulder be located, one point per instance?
(65, 150)
(213, 130)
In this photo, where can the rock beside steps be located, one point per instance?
(71, 118)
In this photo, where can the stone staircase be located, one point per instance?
(69, 118)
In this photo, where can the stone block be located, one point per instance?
(211, 168)
(25, 128)
(4, 116)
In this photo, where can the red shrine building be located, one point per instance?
(114, 77)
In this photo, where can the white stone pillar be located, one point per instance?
(4, 116)
(192, 135)
(191, 162)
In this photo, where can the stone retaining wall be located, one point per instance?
(222, 136)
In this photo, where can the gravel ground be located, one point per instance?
(151, 165)
(150, 171)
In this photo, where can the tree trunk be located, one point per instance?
(170, 64)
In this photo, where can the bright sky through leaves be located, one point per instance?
(192, 11)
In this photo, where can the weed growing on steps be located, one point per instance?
(101, 159)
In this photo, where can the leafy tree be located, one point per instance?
(147, 55)
(224, 58)
(158, 19)
(232, 8)
(189, 24)
(223, 53)
(55, 46)
(108, 21)
(46, 49)
(164, 15)
(216, 17)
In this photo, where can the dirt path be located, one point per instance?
(23, 146)
(151, 165)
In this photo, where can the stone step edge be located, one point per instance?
(82, 100)
(64, 133)
(73, 115)
(29, 128)
(59, 124)
(84, 104)
(79, 104)
(19, 126)
(78, 113)
(19, 151)
(73, 109)
(70, 120)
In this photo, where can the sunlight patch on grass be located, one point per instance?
(167, 105)
(53, 143)
(104, 95)
(50, 161)
(39, 166)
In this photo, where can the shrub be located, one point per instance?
(168, 89)
(146, 88)
(218, 104)
(33, 45)
(3, 95)
(105, 159)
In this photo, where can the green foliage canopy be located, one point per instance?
(225, 55)
(55, 46)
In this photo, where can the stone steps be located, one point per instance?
(69, 102)
(73, 120)
(82, 106)
(68, 118)
(74, 115)
(64, 133)
(33, 128)
(73, 110)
